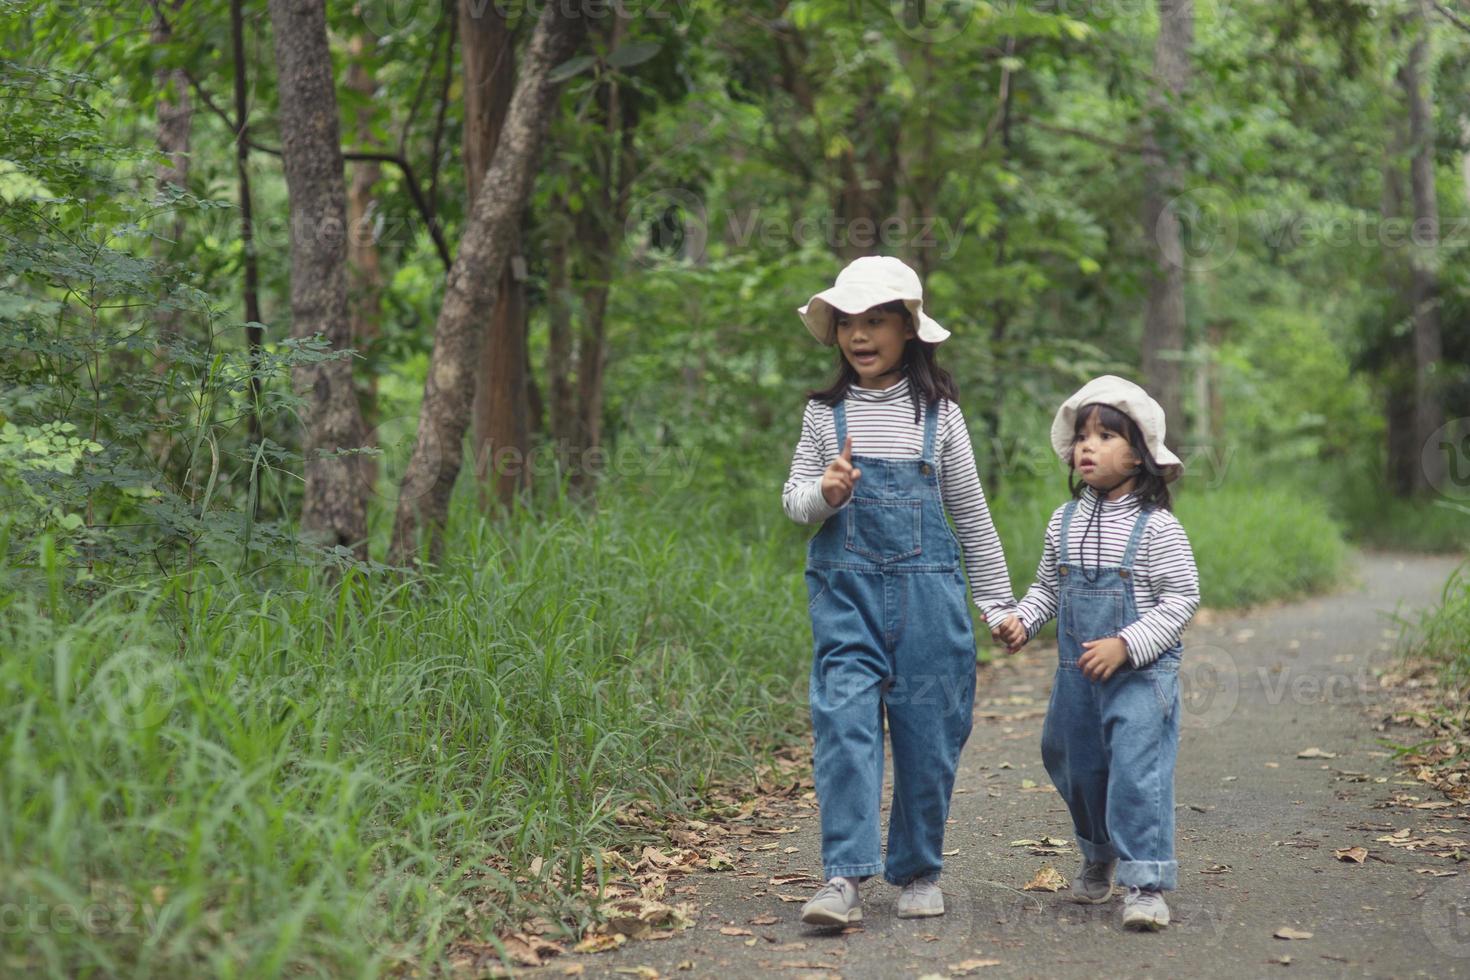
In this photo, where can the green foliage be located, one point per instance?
(324, 777)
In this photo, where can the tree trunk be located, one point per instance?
(250, 265)
(474, 284)
(501, 436)
(175, 119)
(1163, 321)
(598, 227)
(364, 267)
(1398, 408)
(311, 153)
(559, 350)
(1424, 282)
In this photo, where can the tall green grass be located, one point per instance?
(1443, 633)
(251, 777)
(333, 779)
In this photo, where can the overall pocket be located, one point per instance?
(884, 531)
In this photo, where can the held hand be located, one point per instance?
(1011, 633)
(840, 477)
(1103, 658)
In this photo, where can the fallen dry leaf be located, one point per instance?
(646, 972)
(969, 966)
(764, 920)
(1047, 879)
(1436, 872)
(1287, 932)
(1357, 855)
(734, 931)
(1315, 753)
(600, 942)
(1216, 869)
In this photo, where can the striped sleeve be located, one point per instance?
(964, 499)
(1173, 581)
(802, 498)
(1040, 602)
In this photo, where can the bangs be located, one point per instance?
(1108, 417)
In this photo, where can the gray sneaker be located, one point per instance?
(1094, 883)
(1144, 910)
(835, 904)
(920, 899)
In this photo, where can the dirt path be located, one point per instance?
(1257, 827)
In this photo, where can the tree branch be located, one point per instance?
(409, 179)
(1089, 137)
(1451, 16)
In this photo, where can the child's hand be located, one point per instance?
(1011, 633)
(1102, 658)
(841, 475)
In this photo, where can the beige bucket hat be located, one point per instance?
(868, 282)
(1131, 400)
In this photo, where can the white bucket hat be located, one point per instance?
(1132, 401)
(868, 282)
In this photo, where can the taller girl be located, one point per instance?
(886, 593)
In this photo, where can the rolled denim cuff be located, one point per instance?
(1154, 875)
(1097, 853)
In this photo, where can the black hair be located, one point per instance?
(1149, 483)
(928, 381)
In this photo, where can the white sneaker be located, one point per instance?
(1094, 883)
(1144, 910)
(835, 904)
(920, 899)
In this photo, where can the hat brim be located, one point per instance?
(855, 298)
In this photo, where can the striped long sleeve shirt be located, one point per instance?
(1165, 580)
(881, 424)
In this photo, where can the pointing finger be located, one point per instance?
(847, 449)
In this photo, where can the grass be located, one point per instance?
(324, 779)
(224, 776)
(1443, 633)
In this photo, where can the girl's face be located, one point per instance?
(873, 342)
(1103, 456)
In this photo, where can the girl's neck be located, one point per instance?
(882, 382)
(1116, 493)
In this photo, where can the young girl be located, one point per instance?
(1118, 573)
(883, 456)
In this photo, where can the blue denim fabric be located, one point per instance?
(1110, 746)
(891, 635)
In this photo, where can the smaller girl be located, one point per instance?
(1118, 573)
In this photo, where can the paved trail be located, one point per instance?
(1257, 827)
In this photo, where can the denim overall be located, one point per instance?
(891, 632)
(1109, 746)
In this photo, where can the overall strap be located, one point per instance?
(1067, 513)
(839, 415)
(1136, 538)
(931, 422)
